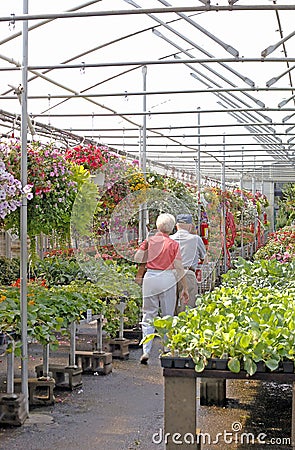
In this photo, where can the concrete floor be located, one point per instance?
(123, 410)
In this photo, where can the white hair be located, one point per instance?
(165, 223)
(184, 226)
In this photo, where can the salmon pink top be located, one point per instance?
(162, 251)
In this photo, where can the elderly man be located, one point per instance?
(193, 252)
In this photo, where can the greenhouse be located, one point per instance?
(117, 117)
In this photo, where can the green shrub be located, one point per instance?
(9, 270)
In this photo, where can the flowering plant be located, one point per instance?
(280, 246)
(10, 192)
(90, 156)
(121, 178)
(54, 182)
(182, 192)
(286, 213)
(261, 201)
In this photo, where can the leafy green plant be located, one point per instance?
(248, 319)
(9, 270)
(58, 270)
(286, 213)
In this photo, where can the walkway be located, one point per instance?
(123, 410)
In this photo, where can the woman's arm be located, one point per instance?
(141, 255)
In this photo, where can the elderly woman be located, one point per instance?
(164, 270)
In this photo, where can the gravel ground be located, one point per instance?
(124, 409)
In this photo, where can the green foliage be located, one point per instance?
(9, 270)
(249, 318)
(58, 270)
(44, 315)
(183, 193)
(261, 273)
(68, 295)
(84, 207)
(286, 213)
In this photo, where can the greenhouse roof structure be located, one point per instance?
(191, 86)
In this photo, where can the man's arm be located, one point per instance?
(201, 249)
(181, 279)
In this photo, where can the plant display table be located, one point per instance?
(180, 408)
(65, 377)
(94, 362)
(40, 390)
(13, 409)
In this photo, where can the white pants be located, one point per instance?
(159, 292)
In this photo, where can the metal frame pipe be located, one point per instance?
(180, 127)
(151, 136)
(223, 210)
(46, 361)
(10, 368)
(155, 113)
(192, 22)
(99, 322)
(122, 12)
(23, 215)
(72, 362)
(151, 62)
(162, 92)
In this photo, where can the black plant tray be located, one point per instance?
(177, 362)
(288, 366)
(183, 362)
(217, 364)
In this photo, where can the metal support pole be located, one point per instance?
(121, 308)
(256, 215)
(121, 330)
(198, 168)
(242, 213)
(23, 214)
(46, 360)
(143, 156)
(223, 209)
(10, 369)
(72, 344)
(143, 206)
(99, 333)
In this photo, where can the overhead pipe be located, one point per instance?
(40, 24)
(221, 95)
(149, 113)
(245, 79)
(140, 93)
(178, 127)
(206, 145)
(226, 47)
(185, 136)
(273, 47)
(234, 114)
(150, 62)
(123, 12)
